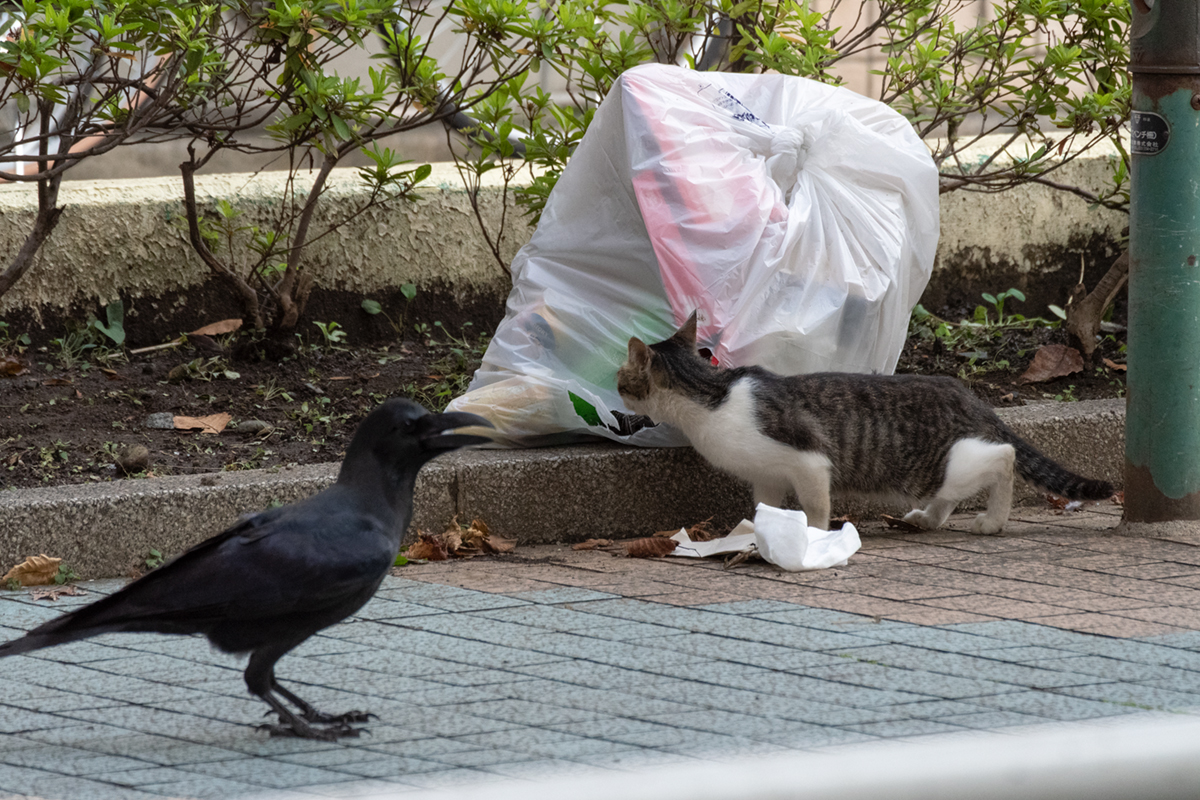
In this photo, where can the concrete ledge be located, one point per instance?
(560, 494)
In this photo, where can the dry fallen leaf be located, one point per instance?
(592, 544)
(1119, 498)
(1114, 365)
(213, 423)
(650, 547)
(217, 328)
(11, 366)
(498, 544)
(36, 570)
(1052, 361)
(428, 547)
(900, 524)
(70, 590)
(56, 382)
(1055, 501)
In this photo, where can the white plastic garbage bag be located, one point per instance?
(785, 539)
(799, 219)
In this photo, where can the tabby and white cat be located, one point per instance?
(925, 439)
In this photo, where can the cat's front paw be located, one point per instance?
(921, 519)
(987, 526)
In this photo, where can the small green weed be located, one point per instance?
(154, 559)
(66, 574)
(332, 332)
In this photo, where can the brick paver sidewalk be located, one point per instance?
(554, 660)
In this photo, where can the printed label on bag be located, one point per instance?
(1150, 133)
(722, 98)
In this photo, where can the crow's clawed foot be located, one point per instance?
(303, 730)
(321, 718)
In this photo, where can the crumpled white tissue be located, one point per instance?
(783, 538)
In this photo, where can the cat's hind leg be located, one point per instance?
(972, 465)
(810, 477)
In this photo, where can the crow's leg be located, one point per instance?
(260, 680)
(310, 713)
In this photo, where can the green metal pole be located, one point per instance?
(1162, 428)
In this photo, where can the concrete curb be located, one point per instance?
(559, 494)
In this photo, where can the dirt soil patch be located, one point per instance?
(78, 414)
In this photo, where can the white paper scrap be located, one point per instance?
(783, 538)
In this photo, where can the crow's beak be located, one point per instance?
(434, 437)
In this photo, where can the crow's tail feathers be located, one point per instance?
(56, 631)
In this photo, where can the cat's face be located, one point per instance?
(644, 372)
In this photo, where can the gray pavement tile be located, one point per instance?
(631, 631)
(160, 750)
(445, 723)
(739, 651)
(565, 594)
(1115, 669)
(933, 638)
(1136, 696)
(916, 681)
(267, 773)
(1027, 633)
(524, 712)
(1142, 652)
(484, 758)
(202, 787)
(602, 651)
(385, 608)
(817, 737)
(600, 701)
(32, 723)
(460, 776)
(391, 661)
(543, 743)
(1025, 654)
(752, 726)
(551, 618)
(360, 788)
(1053, 705)
(72, 788)
(784, 684)
(634, 732)
(58, 702)
(635, 760)
(545, 768)
(893, 729)
(70, 761)
(915, 658)
(463, 602)
(1187, 640)
(938, 709)
(991, 720)
(385, 768)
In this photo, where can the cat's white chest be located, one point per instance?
(728, 435)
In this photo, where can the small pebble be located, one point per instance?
(254, 427)
(133, 459)
(162, 420)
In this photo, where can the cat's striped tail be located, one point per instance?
(1053, 477)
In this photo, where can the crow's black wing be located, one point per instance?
(311, 559)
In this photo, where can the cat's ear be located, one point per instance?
(687, 334)
(639, 353)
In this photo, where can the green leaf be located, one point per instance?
(371, 307)
(585, 410)
(409, 290)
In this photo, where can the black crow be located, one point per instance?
(274, 579)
